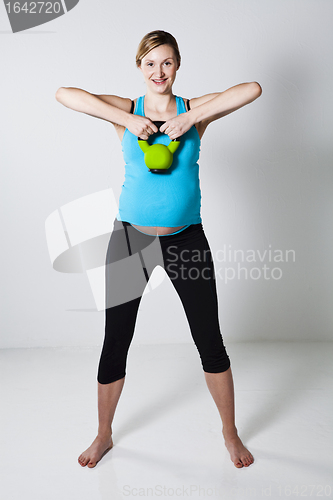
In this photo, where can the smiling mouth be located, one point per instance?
(159, 82)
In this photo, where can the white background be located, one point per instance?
(265, 170)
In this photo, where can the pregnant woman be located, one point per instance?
(165, 207)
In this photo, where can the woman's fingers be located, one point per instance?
(150, 127)
(151, 131)
(172, 128)
(177, 126)
(164, 127)
(153, 128)
(146, 132)
(141, 126)
(172, 132)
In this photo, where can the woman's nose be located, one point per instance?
(159, 73)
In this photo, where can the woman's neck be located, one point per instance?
(159, 103)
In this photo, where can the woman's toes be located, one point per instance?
(239, 464)
(248, 460)
(82, 460)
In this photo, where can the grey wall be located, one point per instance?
(265, 170)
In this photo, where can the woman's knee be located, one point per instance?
(216, 362)
(109, 376)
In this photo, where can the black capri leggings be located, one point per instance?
(130, 260)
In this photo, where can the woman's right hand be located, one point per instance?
(141, 126)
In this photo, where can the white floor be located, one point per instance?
(167, 430)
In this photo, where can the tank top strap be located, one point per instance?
(180, 105)
(139, 106)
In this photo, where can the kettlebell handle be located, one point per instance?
(158, 125)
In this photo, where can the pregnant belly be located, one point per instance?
(155, 230)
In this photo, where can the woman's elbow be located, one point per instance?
(257, 90)
(58, 93)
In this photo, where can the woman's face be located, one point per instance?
(159, 68)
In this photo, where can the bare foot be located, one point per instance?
(96, 451)
(240, 456)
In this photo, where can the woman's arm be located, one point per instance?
(111, 108)
(84, 102)
(223, 103)
(210, 107)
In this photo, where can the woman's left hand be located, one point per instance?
(175, 127)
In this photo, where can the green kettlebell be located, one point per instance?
(158, 157)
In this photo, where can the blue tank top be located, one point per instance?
(171, 198)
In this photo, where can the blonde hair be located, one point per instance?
(155, 39)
